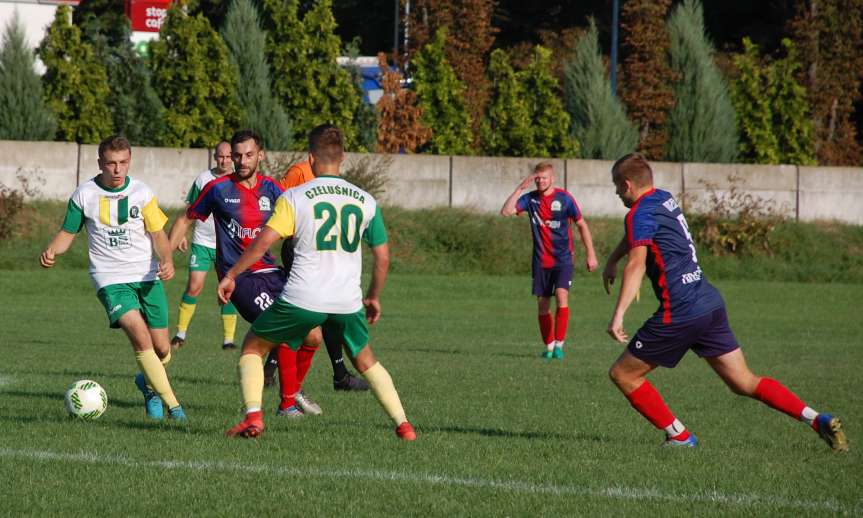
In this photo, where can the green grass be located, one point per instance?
(501, 432)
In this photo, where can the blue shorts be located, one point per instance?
(665, 344)
(546, 280)
(254, 292)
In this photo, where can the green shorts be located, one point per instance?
(148, 297)
(201, 258)
(285, 323)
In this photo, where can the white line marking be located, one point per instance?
(613, 493)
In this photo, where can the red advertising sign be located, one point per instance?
(147, 15)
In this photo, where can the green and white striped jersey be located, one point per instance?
(205, 231)
(117, 222)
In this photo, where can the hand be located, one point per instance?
(608, 276)
(47, 258)
(615, 330)
(183, 246)
(166, 270)
(591, 263)
(226, 289)
(527, 181)
(373, 310)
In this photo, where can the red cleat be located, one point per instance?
(251, 427)
(406, 432)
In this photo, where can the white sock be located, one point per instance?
(550, 346)
(558, 344)
(180, 334)
(675, 428)
(808, 415)
(253, 409)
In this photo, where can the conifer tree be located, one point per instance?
(702, 124)
(399, 128)
(752, 94)
(75, 84)
(599, 123)
(551, 122)
(23, 114)
(507, 128)
(259, 110)
(194, 76)
(440, 96)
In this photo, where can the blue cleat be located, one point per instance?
(546, 355)
(152, 401)
(293, 411)
(690, 442)
(557, 354)
(177, 414)
(830, 429)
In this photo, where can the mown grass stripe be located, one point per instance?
(613, 493)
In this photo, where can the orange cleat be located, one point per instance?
(406, 432)
(251, 427)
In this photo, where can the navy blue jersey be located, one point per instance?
(239, 213)
(656, 221)
(550, 226)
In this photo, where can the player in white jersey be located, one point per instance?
(124, 227)
(202, 256)
(328, 218)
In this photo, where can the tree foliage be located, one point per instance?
(193, 74)
(440, 95)
(702, 124)
(599, 123)
(551, 122)
(365, 116)
(259, 109)
(647, 76)
(469, 40)
(310, 84)
(75, 84)
(830, 38)
(23, 114)
(507, 129)
(399, 126)
(791, 111)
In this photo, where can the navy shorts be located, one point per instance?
(665, 344)
(254, 292)
(546, 280)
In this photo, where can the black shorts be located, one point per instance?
(254, 292)
(547, 280)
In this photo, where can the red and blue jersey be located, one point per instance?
(239, 213)
(550, 226)
(656, 221)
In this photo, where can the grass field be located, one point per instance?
(502, 432)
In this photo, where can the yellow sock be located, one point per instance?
(382, 386)
(167, 359)
(229, 327)
(187, 311)
(156, 376)
(251, 370)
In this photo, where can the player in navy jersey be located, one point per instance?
(551, 210)
(241, 203)
(691, 313)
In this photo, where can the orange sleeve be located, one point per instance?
(297, 174)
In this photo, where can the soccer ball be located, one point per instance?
(86, 400)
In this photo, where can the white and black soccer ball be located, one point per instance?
(86, 400)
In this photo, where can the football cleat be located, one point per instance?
(228, 346)
(152, 401)
(177, 414)
(406, 432)
(306, 404)
(350, 382)
(830, 429)
(293, 411)
(249, 428)
(557, 354)
(547, 355)
(177, 342)
(689, 442)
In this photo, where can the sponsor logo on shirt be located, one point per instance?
(263, 203)
(242, 232)
(555, 206)
(689, 278)
(118, 239)
(670, 204)
(232, 200)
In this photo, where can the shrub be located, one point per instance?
(369, 173)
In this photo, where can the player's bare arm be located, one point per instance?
(509, 208)
(587, 240)
(59, 245)
(633, 272)
(178, 231)
(250, 256)
(163, 249)
(609, 273)
(380, 269)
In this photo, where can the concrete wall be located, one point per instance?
(477, 183)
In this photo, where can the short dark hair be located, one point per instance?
(635, 168)
(327, 143)
(244, 135)
(113, 143)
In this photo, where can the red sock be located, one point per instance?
(546, 328)
(649, 403)
(776, 395)
(561, 319)
(304, 361)
(287, 374)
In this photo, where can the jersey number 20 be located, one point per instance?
(339, 227)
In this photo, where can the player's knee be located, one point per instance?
(195, 289)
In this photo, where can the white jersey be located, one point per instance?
(117, 222)
(205, 231)
(328, 218)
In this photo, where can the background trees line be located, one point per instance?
(272, 66)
